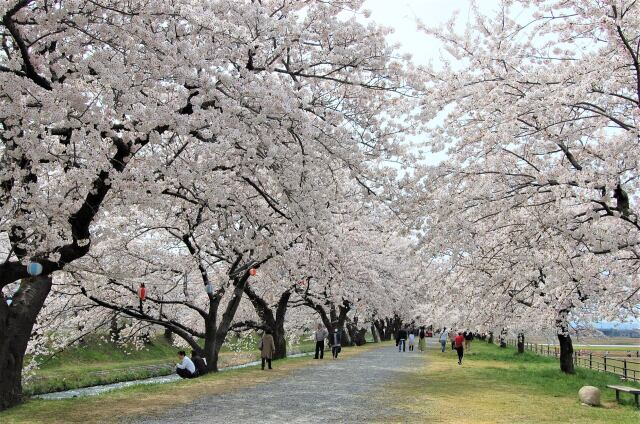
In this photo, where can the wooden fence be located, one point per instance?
(623, 363)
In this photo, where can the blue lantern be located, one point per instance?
(34, 269)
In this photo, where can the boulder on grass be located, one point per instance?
(589, 395)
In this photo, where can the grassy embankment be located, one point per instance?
(498, 386)
(152, 399)
(103, 363)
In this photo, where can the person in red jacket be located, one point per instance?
(459, 344)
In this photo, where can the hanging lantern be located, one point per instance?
(34, 268)
(142, 292)
(209, 288)
(253, 272)
(12, 295)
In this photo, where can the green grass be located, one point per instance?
(96, 362)
(598, 348)
(540, 371)
(498, 386)
(623, 342)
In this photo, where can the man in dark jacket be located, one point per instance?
(336, 343)
(201, 365)
(401, 339)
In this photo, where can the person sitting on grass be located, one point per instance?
(185, 368)
(201, 364)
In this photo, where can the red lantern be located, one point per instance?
(253, 272)
(142, 292)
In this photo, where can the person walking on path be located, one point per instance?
(267, 348)
(459, 343)
(421, 340)
(468, 338)
(412, 340)
(444, 336)
(320, 334)
(185, 368)
(336, 343)
(452, 338)
(402, 339)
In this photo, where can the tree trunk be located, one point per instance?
(379, 325)
(168, 335)
(16, 324)
(114, 330)
(393, 326)
(341, 322)
(490, 341)
(280, 341)
(346, 338)
(566, 353)
(520, 343)
(211, 337)
(356, 334)
(503, 338)
(374, 333)
(274, 322)
(227, 318)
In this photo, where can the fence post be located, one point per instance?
(590, 360)
(624, 371)
(575, 358)
(605, 362)
(548, 347)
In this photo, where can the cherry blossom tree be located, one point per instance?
(107, 105)
(540, 122)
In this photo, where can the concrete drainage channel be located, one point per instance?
(96, 390)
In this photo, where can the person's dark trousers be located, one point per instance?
(401, 345)
(460, 351)
(320, 349)
(335, 350)
(184, 373)
(268, 360)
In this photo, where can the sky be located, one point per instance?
(401, 15)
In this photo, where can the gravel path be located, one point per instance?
(346, 390)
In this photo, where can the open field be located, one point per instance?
(623, 361)
(612, 342)
(498, 386)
